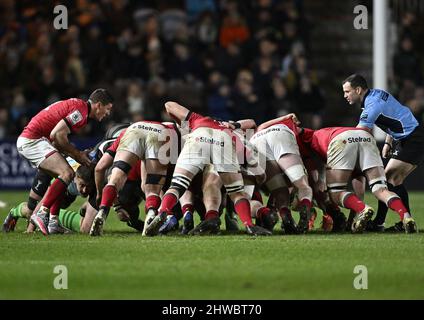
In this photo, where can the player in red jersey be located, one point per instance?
(45, 139)
(209, 142)
(147, 141)
(344, 149)
(276, 141)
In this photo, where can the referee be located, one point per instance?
(404, 143)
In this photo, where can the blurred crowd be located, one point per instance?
(225, 58)
(408, 65)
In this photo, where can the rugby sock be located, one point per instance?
(169, 201)
(262, 212)
(57, 188)
(380, 217)
(351, 201)
(284, 211)
(306, 202)
(187, 208)
(400, 190)
(16, 211)
(108, 196)
(242, 208)
(55, 208)
(70, 219)
(396, 205)
(152, 202)
(211, 214)
(257, 196)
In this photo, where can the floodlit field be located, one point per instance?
(123, 265)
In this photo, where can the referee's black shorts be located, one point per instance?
(411, 148)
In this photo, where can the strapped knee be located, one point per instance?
(249, 189)
(124, 166)
(236, 186)
(337, 187)
(295, 172)
(378, 184)
(180, 183)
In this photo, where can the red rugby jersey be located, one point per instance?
(74, 111)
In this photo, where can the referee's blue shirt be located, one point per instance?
(380, 108)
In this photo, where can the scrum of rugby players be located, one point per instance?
(199, 164)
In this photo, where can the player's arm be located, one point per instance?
(388, 147)
(368, 116)
(59, 136)
(104, 163)
(240, 124)
(176, 111)
(282, 118)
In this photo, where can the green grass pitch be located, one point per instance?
(123, 265)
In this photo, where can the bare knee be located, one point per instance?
(236, 196)
(67, 175)
(395, 177)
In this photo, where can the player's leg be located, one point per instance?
(122, 164)
(233, 183)
(74, 220)
(155, 173)
(396, 172)
(277, 186)
(378, 186)
(181, 180)
(58, 167)
(337, 181)
(191, 160)
(187, 210)
(264, 216)
(127, 205)
(39, 187)
(212, 199)
(23, 210)
(294, 169)
(358, 185)
(64, 202)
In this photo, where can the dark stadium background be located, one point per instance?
(227, 59)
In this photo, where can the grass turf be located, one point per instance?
(123, 265)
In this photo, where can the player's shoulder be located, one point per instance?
(377, 97)
(76, 103)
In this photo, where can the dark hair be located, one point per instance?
(102, 96)
(356, 80)
(85, 173)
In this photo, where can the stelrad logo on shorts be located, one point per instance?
(358, 139)
(148, 128)
(75, 117)
(210, 141)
